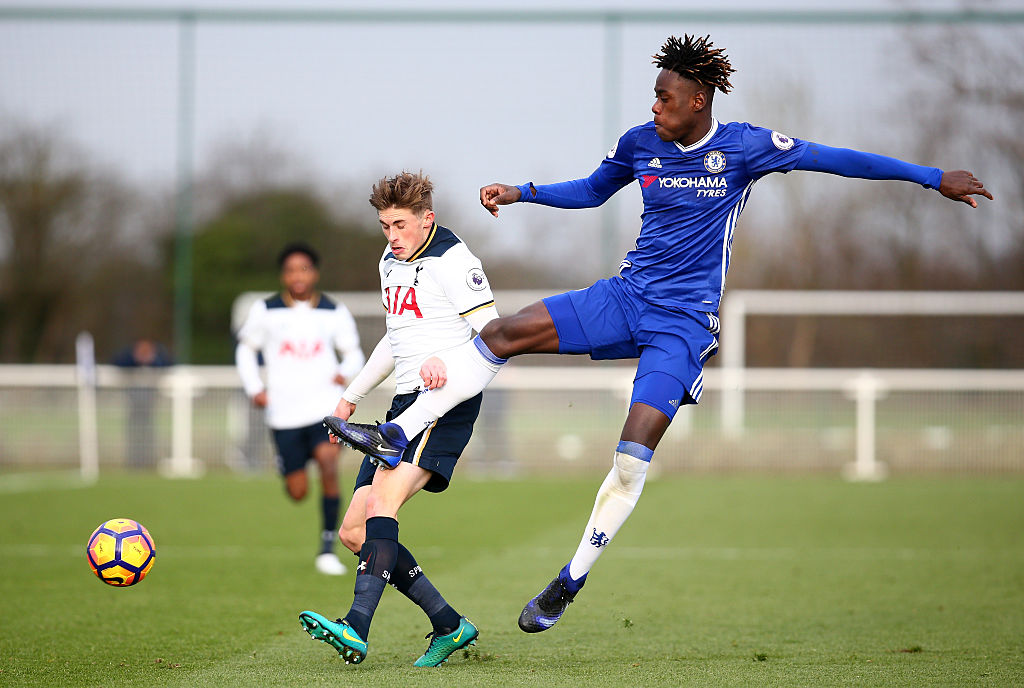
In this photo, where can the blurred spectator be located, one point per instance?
(141, 361)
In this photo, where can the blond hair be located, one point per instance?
(405, 191)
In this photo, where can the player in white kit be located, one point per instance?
(435, 294)
(299, 332)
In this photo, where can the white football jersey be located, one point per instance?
(299, 340)
(427, 299)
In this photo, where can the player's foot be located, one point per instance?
(338, 634)
(383, 443)
(329, 564)
(545, 609)
(442, 646)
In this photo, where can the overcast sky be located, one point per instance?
(469, 103)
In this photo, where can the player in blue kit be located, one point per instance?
(695, 174)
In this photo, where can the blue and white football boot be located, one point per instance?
(545, 609)
(384, 443)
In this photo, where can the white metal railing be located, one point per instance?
(184, 384)
(741, 303)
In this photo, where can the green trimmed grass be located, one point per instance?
(714, 581)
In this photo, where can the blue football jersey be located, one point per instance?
(693, 196)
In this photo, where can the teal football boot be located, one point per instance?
(442, 646)
(338, 634)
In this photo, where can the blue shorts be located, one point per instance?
(295, 446)
(437, 448)
(608, 321)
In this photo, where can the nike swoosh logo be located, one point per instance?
(348, 636)
(459, 636)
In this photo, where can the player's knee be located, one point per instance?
(380, 505)
(496, 336)
(352, 537)
(511, 335)
(295, 485)
(629, 473)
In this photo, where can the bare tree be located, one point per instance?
(60, 227)
(961, 104)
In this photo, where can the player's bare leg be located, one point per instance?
(618, 494)
(296, 484)
(353, 526)
(393, 488)
(529, 331)
(645, 425)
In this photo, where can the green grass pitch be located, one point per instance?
(736, 581)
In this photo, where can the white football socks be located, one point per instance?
(471, 367)
(616, 498)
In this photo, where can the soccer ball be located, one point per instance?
(121, 552)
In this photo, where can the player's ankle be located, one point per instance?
(394, 434)
(571, 584)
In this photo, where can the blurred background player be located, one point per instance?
(435, 295)
(695, 176)
(298, 333)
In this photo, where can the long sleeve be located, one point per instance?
(376, 370)
(852, 163)
(247, 363)
(614, 172)
(346, 342)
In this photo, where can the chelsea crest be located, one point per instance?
(714, 162)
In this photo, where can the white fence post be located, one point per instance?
(734, 342)
(183, 387)
(88, 434)
(866, 390)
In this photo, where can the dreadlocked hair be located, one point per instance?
(696, 59)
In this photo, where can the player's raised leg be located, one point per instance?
(616, 498)
(470, 368)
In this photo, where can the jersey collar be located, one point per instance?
(698, 144)
(426, 244)
(314, 299)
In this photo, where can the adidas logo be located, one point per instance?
(655, 162)
(674, 402)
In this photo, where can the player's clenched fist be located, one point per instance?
(493, 195)
(434, 373)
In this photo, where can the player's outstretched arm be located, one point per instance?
(493, 195)
(960, 185)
